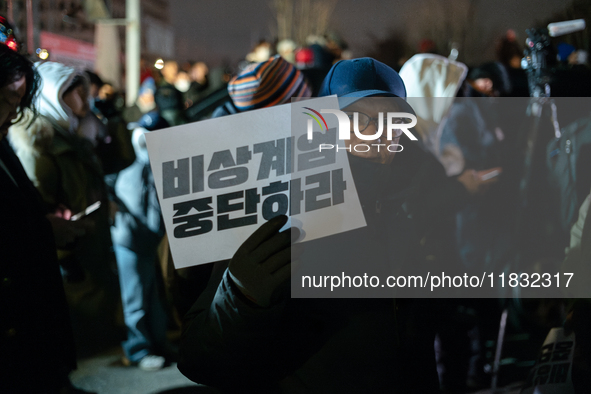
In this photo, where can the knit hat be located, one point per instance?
(267, 84)
(363, 77)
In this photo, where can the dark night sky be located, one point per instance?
(213, 30)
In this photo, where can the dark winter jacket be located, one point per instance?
(326, 345)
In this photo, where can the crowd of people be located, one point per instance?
(83, 247)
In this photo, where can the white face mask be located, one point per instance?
(182, 85)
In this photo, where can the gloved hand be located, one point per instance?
(263, 262)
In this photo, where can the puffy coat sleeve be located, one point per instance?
(44, 174)
(228, 341)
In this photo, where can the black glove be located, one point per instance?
(263, 262)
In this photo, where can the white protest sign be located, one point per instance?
(552, 373)
(218, 180)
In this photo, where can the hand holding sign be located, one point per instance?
(219, 178)
(263, 261)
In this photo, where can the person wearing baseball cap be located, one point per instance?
(245, 334)
(357, 79)
(363, 77)
(430, 197)
(369, 79)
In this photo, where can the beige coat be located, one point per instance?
(66, 172)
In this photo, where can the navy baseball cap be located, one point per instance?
(353, 79)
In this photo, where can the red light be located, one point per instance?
(304, 57)
(12, 45)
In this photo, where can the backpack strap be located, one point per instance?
(230, 107)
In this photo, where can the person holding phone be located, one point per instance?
(60, 159)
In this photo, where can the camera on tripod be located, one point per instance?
(538, 46)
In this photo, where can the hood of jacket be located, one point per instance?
(56, 79)
(432, 76)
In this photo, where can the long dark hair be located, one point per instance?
(14, 66)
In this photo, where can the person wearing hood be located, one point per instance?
(57, 152)
(245, 333)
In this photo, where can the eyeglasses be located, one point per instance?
(363, 121)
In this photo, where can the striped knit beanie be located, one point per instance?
(267, 84)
